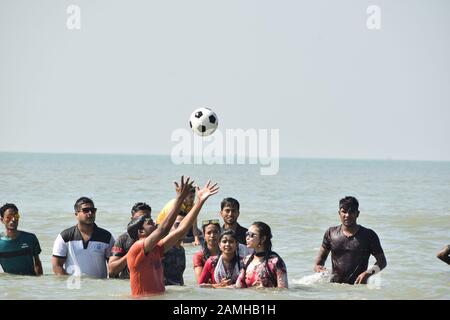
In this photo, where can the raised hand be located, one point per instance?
(208, 190)
(183, 188)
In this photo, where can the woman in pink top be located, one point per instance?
(263, 268)
(223, 270)
(210, 245)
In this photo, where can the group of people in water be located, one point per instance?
(152, 256)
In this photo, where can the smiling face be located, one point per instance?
(348, 218)
(228, 244)
(229, 214)
(11, 219)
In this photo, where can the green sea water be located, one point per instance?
(406, 202)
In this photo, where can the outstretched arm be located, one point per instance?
(202, 195)
(183, 190)
(377, 267)
(320, 260)
(444, 254)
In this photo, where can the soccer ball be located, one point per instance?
(203, 121)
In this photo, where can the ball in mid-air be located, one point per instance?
(203, 121)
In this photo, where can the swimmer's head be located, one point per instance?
(141, 209)
(349, 204)
(140, 227)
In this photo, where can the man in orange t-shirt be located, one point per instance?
(144, 258)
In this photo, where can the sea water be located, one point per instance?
(407, 203)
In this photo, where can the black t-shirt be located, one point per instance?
(174, 265)
(240, 233)
(120, 248)
(350, 255)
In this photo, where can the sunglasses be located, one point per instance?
(211, 221)
(250, 234)
(87, 210)
(10, 217)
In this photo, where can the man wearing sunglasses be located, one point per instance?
(83, 249)
(19, 250)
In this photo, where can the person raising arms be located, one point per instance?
(145, 256)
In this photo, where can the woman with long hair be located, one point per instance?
(223, 270)
(210, 245)
(264, 267)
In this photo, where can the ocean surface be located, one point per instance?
(407, 203)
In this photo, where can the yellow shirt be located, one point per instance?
(169, 205)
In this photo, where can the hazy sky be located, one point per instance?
(136, 70)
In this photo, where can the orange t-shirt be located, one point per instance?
(146, 270)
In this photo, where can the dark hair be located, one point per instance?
(228, 232)
(211, 223)
(349, 204)
(134, 226)
(140, 206)
(81, 201)
(232, 234)
(206, 252)
(7, 206)
(264, 231)
(230, 202)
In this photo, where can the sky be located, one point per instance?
(135, 70)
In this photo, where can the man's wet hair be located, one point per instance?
(134, 226)
(349, 204)
(81, 201)
(140, 206)
(230, 202)
(7, 206)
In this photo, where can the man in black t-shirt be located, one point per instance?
(351, 246)
(229, 210)
(175, 259)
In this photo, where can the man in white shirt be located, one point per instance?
(83, 249)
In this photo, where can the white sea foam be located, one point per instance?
(319, 277)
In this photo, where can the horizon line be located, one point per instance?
(246, 157)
